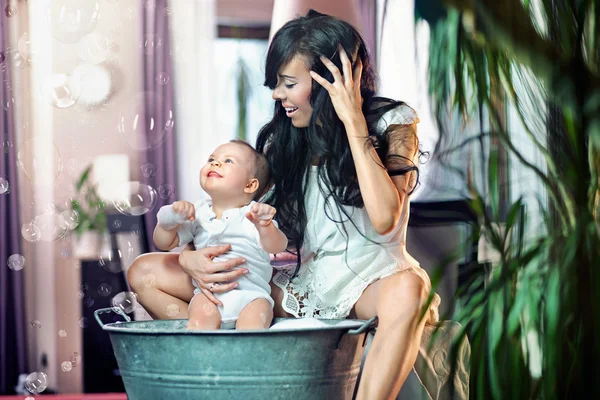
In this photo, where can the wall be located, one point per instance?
(53, 276)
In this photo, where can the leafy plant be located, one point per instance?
(535, 327)
(88, 205)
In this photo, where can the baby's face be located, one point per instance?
(228, 170)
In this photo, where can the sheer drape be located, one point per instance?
(12, 305)
(158, 163)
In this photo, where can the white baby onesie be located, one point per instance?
(235, 229)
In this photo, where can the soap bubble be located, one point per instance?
(125, 301)
(94, 48)
(68, 219)
(27, 47)
(17, 61)
(151, 44)
(49, 208)
(148, 170)
(66, 366)
(212, 378)
(209, 309)
(115, 260)
(73, 19)
(4, 186)
(138, 198)
(166, 191)
(162, 78)
(36, 382)
(31, 232)
(16, 262)
(172, 310)
(147, 125)
(40, 167)
(62, 90)
(149, 280)
(35, 324)
(104, 289)
(49, 226)
(83, 322)
(10, 11)
(75, 359)
(8, 103)
(62, 333)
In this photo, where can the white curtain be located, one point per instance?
(403, 70)
(193, 31)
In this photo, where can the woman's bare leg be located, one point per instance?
(398, 301)
(162, 287)
(277, 296)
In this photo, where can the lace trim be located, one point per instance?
(300, 300)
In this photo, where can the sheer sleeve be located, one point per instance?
(400, 125)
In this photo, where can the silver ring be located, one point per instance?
(212, 286)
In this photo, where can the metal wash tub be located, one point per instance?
(162, 360)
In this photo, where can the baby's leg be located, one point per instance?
(256, 315)
(203, 313)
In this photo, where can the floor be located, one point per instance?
(96, 396)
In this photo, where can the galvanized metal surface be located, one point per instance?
(162, 360)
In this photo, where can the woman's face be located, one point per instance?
(293, 91)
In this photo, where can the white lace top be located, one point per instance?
(338, 263)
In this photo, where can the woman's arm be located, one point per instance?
(383, 197)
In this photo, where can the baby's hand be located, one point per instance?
(185, 209)
(261, 214)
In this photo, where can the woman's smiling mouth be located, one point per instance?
(289, 111)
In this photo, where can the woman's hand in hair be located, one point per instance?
(211, 277)
(345, 89)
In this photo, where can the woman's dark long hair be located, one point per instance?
(290, 150)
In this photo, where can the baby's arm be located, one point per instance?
(271, 238)
(170, 219)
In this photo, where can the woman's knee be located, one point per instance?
(141, 270)
(403, 294)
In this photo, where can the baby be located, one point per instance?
(233, 177)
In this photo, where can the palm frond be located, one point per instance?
(535, 326)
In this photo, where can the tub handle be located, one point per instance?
(367, 326)
(108, 310)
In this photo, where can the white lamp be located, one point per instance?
(111, 172)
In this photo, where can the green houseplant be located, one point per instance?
(91, 216)
(535, 327)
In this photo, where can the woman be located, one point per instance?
(343, 167)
